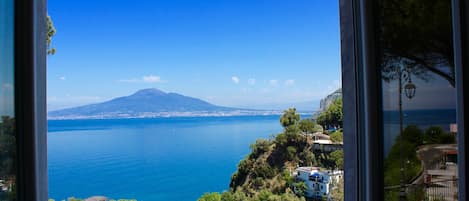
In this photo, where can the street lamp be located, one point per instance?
(409, 90)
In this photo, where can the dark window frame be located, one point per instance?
(460, 9)
(30, 99)
(361, 94)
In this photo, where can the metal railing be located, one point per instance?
(438, 190)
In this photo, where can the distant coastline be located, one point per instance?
(234, 113)
(154, 103)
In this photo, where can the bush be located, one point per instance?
(233, 196)
(436, 135)
(289, 117)
(210, 197)
(338, 158)
(300, 188)
(337, 136)
(307, 126)
(291, 153)
(261, 146)
(264, 171)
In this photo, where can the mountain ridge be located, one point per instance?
(149, 102)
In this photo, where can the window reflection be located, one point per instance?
(7, 121)
(419, 102)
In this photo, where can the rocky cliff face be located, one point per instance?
(324, 104)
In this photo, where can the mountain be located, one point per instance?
(329, 99)
(147, 103)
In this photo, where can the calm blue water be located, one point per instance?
(421, 118)
(150, 159)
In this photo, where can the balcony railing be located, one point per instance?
(438, 190)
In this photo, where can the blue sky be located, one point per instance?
(6, 59)
(228, 52)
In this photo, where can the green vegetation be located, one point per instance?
(308, 126)
(436, 135)
(332, 116)
(338, 158)
(337, 136)
(210, 197)
(50, 33)
(265, 174)
(337, 192)
(7, 156)
(300, 187)
(263, 195)
(411, 138)
(289, 117)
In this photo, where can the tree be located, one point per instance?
(289, 117)
(210, 197)
(50, 33)
(7, 147)
(233, 196)
(307, 126)
(417, 34)
(436, 135)
(261, 146)
(337, 136)
(333, 115)
(338, 158)
(300, 188)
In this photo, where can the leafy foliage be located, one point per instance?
(263, 195)
(8, 155)
(300, 187)
(416, 34)
(265, 174)
(405, 150)
(338, 158)
(307, 126)
(289, 117)
(337, 136)
(210, 197)
(332, 116)
(436, 135)
(50, 33)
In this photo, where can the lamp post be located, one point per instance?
(409, 89)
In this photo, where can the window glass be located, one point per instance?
(418, 100)
(7, 120)
(194, 100)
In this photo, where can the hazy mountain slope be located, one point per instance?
(143, 101)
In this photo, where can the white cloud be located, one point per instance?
(144, 79)
(273, 82)
(252, 81)
(151, 79)
(289, 82)
(62, 78)
(235, 79)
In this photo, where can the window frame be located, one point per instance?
(30, 99)
(362, 101)
(461, 51)
(361, 87)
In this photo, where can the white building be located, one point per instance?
(318, 183)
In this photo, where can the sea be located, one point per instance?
(170, 159)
